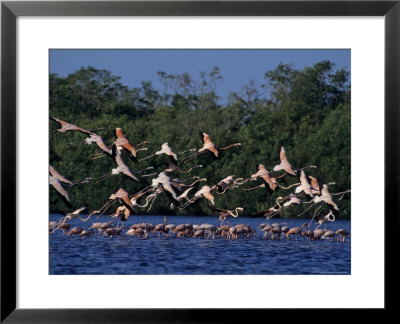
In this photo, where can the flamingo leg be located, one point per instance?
(253, 188)
(142, 143)
(142, 149)
(189, 150)
(147, 157)
(292, 185)
(191, 157)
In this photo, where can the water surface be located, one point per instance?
(184, 256)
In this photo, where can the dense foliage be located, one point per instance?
(308, 111)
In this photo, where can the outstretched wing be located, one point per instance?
(60, 190)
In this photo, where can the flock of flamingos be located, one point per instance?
(178, 192)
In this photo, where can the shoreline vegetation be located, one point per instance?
(306, 110)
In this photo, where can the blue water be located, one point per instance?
(128, 255)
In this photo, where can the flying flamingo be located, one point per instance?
(121, 167)
(184, 195)
(263, 173)
(122, 213)
(164, 181)
(326, 197)
(123, 196)
(123, 142)
(286, 166)
(208, 146)
(315, 187)
(269, 183)
(74, 214)
(55, 180)
(293, 199)
(224, 213)
(165, 149)
(304, 185)
(322, 220)
(68, 127)
(228, 183)
(94, 138)
(271, 211)
(205, 192)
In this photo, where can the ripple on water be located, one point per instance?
(169, 255)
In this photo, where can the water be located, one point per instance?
(128, 255)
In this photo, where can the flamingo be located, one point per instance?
(208, 146)
(326, 197)
(269, 183)
(315, 187)
(306, 231)
(205, 192)
(324, 219)
(164, 181)
(75, 231)
(64, 226)
(55, 183)
(121, 167)
(293, 199)
(86, 233)
(295, 231)
(304, 185)
(94, 138)
(286, 166)
(224, 213)
(328, 235)
(122, 213)
(264, 175)
(123, 196)
(122, 141)
(165, 149)
(62, 179)
(58, 176)
(75, 214)
(67, 127)
(271, 211)
(342, 234)
(317, 234)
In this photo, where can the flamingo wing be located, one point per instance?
(172, 155)
(202, 136)
(76, 212)
(60, 190)
(282, 155)
(169, 191)
(118, 133)
(130, 174)
(100, 143)
(314, 184)
(128, 147)
(213, 150)
(209, 197)
(126, 202)
(61, 122)
(58, 176)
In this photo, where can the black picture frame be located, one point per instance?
(10, 10)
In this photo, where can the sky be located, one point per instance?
(237, 67)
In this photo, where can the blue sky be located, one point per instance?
(237, 67)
